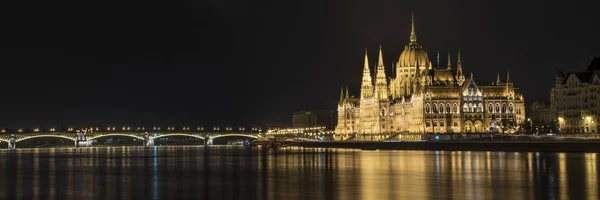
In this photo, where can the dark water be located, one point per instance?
(236, 173)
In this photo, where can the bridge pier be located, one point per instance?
(12, 143)
(149, 142)
(208, 140)
(81, 140)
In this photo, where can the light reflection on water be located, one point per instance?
(227, 172)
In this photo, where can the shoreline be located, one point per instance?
(509, 146)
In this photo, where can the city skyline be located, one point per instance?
(247, 68)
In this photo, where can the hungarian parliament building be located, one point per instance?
(422, 98)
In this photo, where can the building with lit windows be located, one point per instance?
(314, 118)
(421, 98)
(576, 99)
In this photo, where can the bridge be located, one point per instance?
(81, 139)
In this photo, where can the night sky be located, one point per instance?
(233, 62)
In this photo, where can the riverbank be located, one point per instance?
(512, 146)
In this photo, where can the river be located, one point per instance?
(233, 172)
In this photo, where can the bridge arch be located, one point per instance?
(176, 134)
(231, 135)
(115, 134)
(44, 136)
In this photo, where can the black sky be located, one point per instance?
(230, 62)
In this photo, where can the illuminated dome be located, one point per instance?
(413, 52)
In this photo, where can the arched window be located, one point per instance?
(427, 108)
(456, 108)
(448, 108)
(442, 108)
(465, 108)
(480, 107)
(504, 108)
(470, 107)
(490, 108)
(510, 108)
(435, 108)
(497, 109)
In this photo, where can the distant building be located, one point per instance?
(304, 119)
(542, 113)
(576, 98)
(421, 98)
(323, 118)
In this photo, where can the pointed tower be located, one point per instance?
(347, 94)
(449, 62)
(413, 35)
(460, 77)
(417, 81)
(380, 80)
(508, 88)
(498, 79)
(438, 60)
(366, 87)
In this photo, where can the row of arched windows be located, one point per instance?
(472, 107)
(441, 108)
(468, 107)
(496, 108)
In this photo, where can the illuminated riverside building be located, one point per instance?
(576, 99)
(426, 99)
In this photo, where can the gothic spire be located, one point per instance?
(459, 65)
(508, 82)
(380, 80)
(413, 35)
(418, 71)
(366, 87)
(347, 94)
(498, 79)
(341, 94)
(366, 69)
(380, 67)
(449, 61)
(438, 60)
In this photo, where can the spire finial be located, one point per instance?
(380, 60)
(413, 35)
(347, 95)
(366, 68)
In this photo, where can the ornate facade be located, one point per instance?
(576, 100)
(426, 99)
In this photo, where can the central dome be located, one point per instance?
(413, 53)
